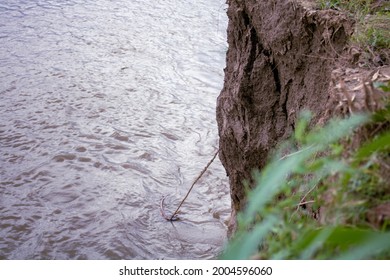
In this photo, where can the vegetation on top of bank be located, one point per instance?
(372, 26)
(324, 195)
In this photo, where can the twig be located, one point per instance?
(303, 202)
(304, 197)
(165, 216)
(297, 152)
(174, 215)
(306, 202)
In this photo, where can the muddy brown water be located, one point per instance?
(105, 107)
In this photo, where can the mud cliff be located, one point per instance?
(280, 57)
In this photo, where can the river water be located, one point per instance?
(106, 107)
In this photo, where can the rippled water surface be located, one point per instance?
(106, 107)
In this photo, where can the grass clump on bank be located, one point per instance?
(372, 25)
(324, 195)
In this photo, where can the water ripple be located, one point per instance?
(105, 107)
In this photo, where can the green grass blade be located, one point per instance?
(242, 247)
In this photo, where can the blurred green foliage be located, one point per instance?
(312, 200)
